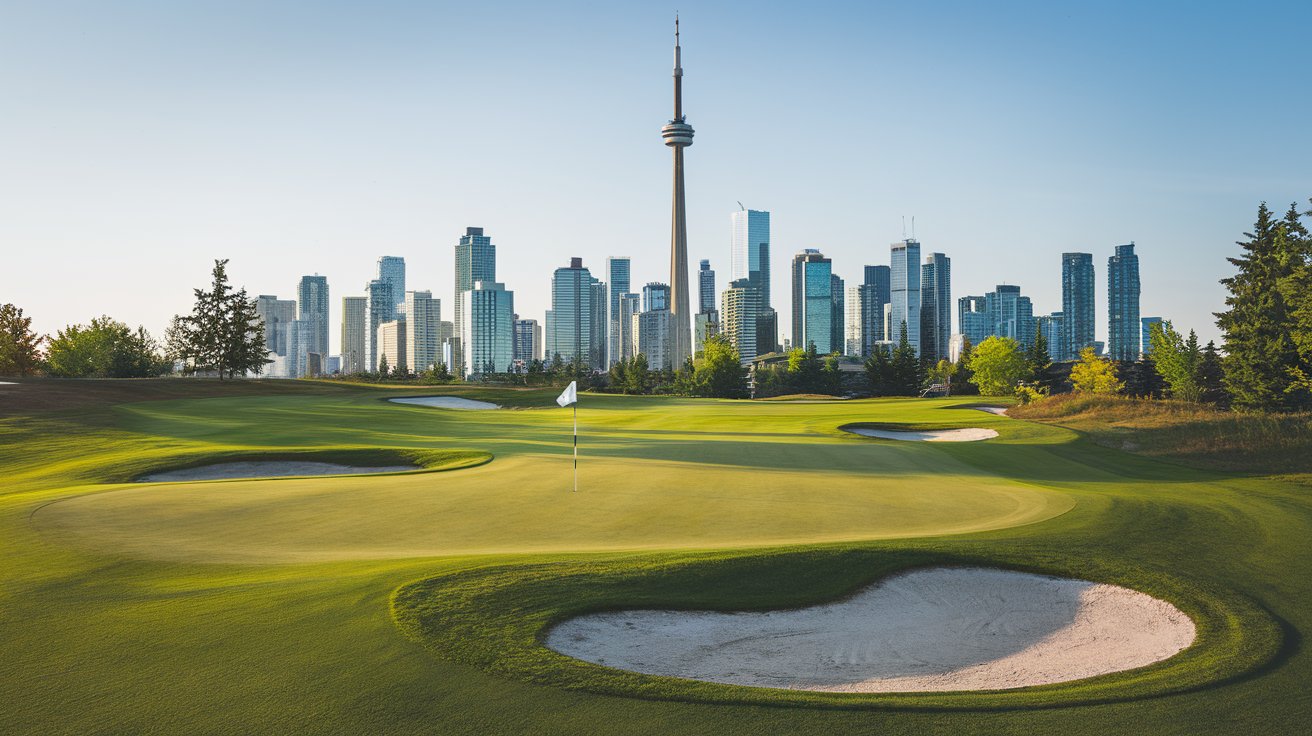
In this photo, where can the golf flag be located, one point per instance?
(570, 395)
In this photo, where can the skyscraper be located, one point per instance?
(391, 345)
(312, 296)
(1077, 304)
(354, 311)
(380, 308)
(617, 275)
(476, 260)
(528, 342)
(1010, 314)
(973, 319)
(739, 306)
(904, 291)
(653, 333)
(1145, 344)
(875, 295)
(678, 136)
(488, 340)
(1053, 330)
(749, 256)
(837, 313)
(813, 301)
(392, 270)
(935, 306)
(600, 325)
(630, 308)
(423, 328)
(655, 295)
(1123, 304)
(275, 313)
(705, 288)
(569, 322)
(852, 325)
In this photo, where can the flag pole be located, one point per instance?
(576, 447)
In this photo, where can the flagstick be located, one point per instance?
(576, 447)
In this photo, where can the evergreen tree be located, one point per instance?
(1296, 289)
(223, 333)
(1038, 360)
(1261, 361)
(961, 377)
(637, 375)
(1176, 360)
(1211, 377)
(907, 372)
(384, 370)
(879, 370)
(618, 376)
(20, 347)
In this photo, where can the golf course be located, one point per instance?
(416, 590)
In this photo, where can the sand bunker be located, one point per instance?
(929, 630)
(265, 469)
(968, 434)
(446, 402)
(999, 410)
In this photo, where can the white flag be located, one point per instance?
(570, 395)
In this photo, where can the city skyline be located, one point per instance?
(196, 191)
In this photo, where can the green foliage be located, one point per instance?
(20, 347)
(961, 383)
(105, 348)
(942, 372)
(384, 369)
(1094, 374)
(437, 374)
(879, 370)
(1177, 360)
(1038, 360)
(1264, 323)
(1211, 377)
(907, 375)
(997, 365)
(1028, 393)
(223, 333)
(719, 372)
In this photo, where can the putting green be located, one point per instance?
(272, 606)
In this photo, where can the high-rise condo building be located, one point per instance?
(391, 345)
(1010, 314)
(630, 308)
(354, 325)
(749, 256)
(275, 313)
(1123, 304)
(1077, 304)
(739, 307)
(600, 325)
(837, 313)
(569, 322)
(935, 306)
(653, 331)
(705, 288)
(528, 342)
(904, 291)
(423, 327)
(813, 301)
(617, 275)
(852, 326)
(476, 260)
(1145, 344)
(312, 296)
(973, 319)
(655, 295)
(678, 136)
(875, 295)
(767, 331)
(380, 308)
(392, 270)
(705, 325)
(488, 340)
(1053, 329)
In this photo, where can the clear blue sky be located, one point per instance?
(141, 140)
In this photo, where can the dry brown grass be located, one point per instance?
(1196, 434)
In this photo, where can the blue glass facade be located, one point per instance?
(1077, 304)
(1123, 328)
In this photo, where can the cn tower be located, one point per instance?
(678, 135)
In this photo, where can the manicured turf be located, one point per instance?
(414, 602)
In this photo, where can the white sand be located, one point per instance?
(447, 402)
(265, 469)
(999, 410)
(929, 630)
(968, 434)
(8, 383)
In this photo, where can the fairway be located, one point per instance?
(417, 601)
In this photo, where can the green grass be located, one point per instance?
(415, 602)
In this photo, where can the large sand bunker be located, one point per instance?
(966, 434)
(446, 402)
(939, 629)
(266, 469)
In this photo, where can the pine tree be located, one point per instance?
(1211, 377)
(1296, 289)
(879, 370)
(20, 347)
(1261, 360)
(961, 378)
(1038, 360)
(908, 373)
(223, 333)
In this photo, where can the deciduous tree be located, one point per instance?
(1094, 374)
(997, 365)
(20, 347)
